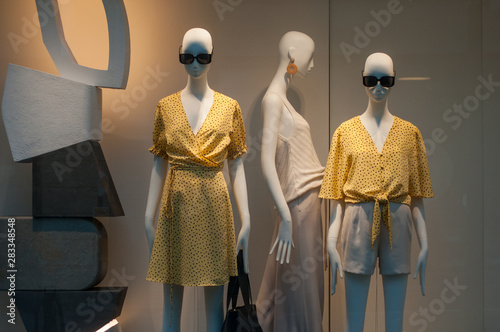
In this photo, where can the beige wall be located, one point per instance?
(452, 42)
(491, 138)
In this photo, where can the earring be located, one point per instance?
(291, 68)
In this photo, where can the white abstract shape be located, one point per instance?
(116, 76)
(44, 113)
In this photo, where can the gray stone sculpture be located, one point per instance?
(55, 123)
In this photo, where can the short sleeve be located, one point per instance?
(336, 169)
(159, 138)
(237, 147)
(420, 178)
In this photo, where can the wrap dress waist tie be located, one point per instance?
(198, 169)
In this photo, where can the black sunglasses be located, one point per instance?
(187, 59)
(385, 81)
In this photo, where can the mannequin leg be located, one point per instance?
(214, 307)
(175, 314)
(356, 293)
(394, 299)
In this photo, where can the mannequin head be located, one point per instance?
(300, 47)
(378, 65)
(197, 41)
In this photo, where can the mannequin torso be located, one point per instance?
(378, 129)
(197, 107)
(283, 108)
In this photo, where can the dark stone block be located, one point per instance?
(70, 311)
(74, 182)
(54, 253)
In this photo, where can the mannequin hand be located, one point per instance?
(150, 235)
(243, 244)
(335, 262)
(421, 263)
(284, 241)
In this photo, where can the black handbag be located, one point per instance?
(244, 318)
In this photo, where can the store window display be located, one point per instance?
(376, 176)
(195, 131)
(293, 175)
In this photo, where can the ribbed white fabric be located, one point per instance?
(297, 163)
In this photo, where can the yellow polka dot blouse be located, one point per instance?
(356, 172)
(194, 242)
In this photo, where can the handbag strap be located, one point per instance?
(232, 291)
(244, 281)
(240, 282)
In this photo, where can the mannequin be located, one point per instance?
(293, 174)
(375, 127)
(196, 100)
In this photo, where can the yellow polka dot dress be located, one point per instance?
(356, 172)
(194, 242)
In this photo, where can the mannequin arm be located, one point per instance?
(271, 114)
(239, 184)
(418, 215)
(158, 173)
(337, 211)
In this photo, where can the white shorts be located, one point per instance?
(359, 258)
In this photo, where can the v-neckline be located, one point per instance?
(371, 138)
(195, 135)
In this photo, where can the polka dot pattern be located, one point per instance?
(194, 242)
(356, 172)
